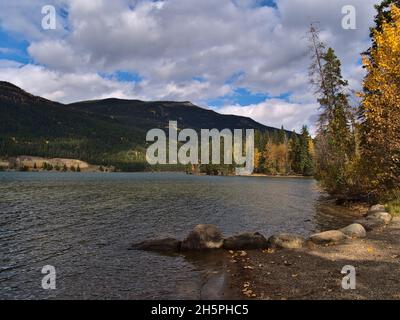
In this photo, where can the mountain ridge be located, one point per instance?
(107, 131)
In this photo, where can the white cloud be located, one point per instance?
(171, 42)
(9, 64)
(64, 87)
(24, 17)
(74, 86)
(277, 112)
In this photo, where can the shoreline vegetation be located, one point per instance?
(357, 146)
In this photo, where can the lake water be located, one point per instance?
(84, 223)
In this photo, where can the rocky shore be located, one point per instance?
(314, 273)
(37, 164)
(288, 266)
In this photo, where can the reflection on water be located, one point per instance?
(83, 225)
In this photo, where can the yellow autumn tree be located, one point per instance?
(380, 110)
(257, 160)
(276, 158)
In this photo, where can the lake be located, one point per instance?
(84, 223)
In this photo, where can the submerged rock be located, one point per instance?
(160, 245)
(246, 241)
(286, 241)
(354, 230)
(203, 236)
(328, 237)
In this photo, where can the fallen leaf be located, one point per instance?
(269, 251)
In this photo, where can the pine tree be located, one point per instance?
(306, 160)
(282, 135)
(380, 109)
(335, 140)
(300, 156)
(295, 153)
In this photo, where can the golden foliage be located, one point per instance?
(276, 158)
(381, 107)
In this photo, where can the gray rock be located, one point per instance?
(286, 241)
(246, 241)
(377, 207)
(371, 223)
(374, 220)
(328, 237)
(386, 217)
(160, 245)
(354, 230)
(203, 236)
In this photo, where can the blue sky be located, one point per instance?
(13, 48)
(246, 57)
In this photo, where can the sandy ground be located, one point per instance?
(315, 273)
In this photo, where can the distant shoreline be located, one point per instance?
(280, 176)
(95, 169)
(26, 163)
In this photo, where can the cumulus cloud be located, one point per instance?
(277, 112)
(24, 18)
(170, 43)
(65, 87)
(71, 87)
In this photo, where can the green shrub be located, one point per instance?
(394, 207)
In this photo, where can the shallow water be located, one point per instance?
(83, 224)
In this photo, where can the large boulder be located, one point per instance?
(246, 241)
(203, 236)
(159, 245)
(386, 217)
(286, 241)
(354, 230)
(328, 237)
(371, 223)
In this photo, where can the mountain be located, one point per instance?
(148, 115)
(109, 131)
